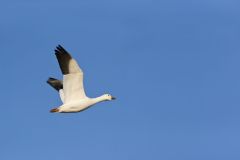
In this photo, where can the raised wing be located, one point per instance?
(72, 76)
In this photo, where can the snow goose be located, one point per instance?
(71, 89)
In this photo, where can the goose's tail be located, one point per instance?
(54, 110)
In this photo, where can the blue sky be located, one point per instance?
(173, 65)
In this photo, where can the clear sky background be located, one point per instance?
(173, 65)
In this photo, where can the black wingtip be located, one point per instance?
(55, 83)
(56, 51)
(63, 58)
(59, 45)
(50, 79)
(60, 50)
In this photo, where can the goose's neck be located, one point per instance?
(99, 99)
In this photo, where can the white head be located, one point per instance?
(108, 97)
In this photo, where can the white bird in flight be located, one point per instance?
(71, 89)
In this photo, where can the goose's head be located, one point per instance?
(108, 97)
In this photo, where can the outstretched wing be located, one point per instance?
(72, 76)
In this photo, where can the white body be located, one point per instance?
(79, 105)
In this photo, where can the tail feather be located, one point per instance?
(54, 110)
(55, 83)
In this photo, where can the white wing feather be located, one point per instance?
(61, 94)
(73, 89)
